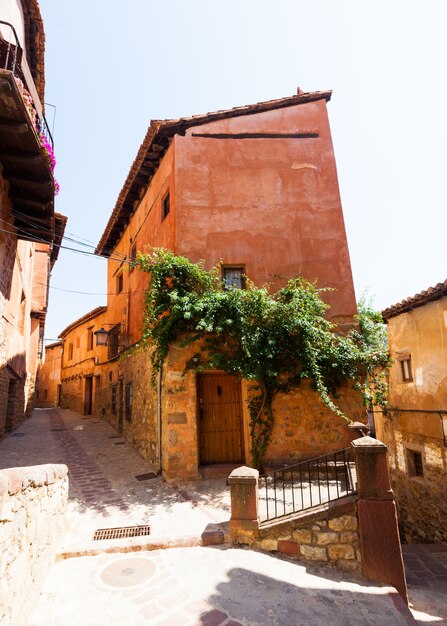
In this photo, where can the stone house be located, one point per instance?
(30, 231)
(415, 426)
(82, 362)
(254, 190)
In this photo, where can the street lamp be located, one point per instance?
(102, 336)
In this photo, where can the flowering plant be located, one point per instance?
(44, 143)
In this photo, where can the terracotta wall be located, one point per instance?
(421, 500)
(146, 228)
(272, 205)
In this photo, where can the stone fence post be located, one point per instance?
(244, 520)
(377, 516)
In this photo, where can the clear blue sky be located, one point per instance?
(112, 66)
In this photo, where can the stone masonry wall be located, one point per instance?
(421, 500)
(72, 393)
(326, 536)
(32, 506)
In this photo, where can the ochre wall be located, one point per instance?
(49, 377)
(74, 371)
(421, 501)
(272, 205)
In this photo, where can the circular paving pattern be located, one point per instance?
(128, 572)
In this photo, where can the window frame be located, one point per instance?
(415, 464)
(234, 267)
(166, 200)
(406, 369)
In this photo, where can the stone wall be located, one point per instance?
(72, 396)
(421, 500)
(329, 535)
(32, 506)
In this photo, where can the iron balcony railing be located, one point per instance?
(12, 59)
(306, 484)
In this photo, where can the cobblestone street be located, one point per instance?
(186, 585)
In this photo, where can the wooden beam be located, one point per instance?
(11, 126)
(30, 180)
(21, 157)
(25, 216)
(43, 206)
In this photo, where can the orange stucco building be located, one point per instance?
(30, 231)
(48, 385)
(414, 426)
(255, 190)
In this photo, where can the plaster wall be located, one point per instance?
(12, 12)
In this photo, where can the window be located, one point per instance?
(90, 338)
(113, 343)
(233, 277)
(119, 283)
(128, 402)
(133, 256)
(405, 367)
(70, 351)
(114, 389)
(414, 464)
(45, 394)
(166, 206)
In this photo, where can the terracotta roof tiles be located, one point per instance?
(419, 299)
(85, 318)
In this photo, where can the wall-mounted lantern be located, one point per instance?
(102, 336)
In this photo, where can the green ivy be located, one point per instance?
(274, 340)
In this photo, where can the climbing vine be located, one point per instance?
(274, 340)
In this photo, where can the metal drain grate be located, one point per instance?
(147, 476)
(121, 533)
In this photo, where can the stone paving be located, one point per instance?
(219, 586)
(104, 491)
(191, 586)
(426, 570)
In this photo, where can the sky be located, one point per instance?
(112, 66)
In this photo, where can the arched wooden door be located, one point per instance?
(219, 418)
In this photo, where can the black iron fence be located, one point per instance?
(306, 484)
(11, 58)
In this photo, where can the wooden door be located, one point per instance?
(88, 395)
(219, 418)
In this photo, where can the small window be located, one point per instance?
(113, 343)
(45, 394)
(233, 277)
(405, 367)
(133, 256)
(119, 283)
(415, 465)
(90, 338)
(166, 207)
(70, 351)
(128, 402)
(114, 402)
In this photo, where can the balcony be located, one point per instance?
(23, 134)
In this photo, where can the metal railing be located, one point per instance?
(11, 58)
(306, 484)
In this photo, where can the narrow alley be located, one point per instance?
(136, 581)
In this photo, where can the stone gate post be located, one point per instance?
(377, 516)
(244, 520)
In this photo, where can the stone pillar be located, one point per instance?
(244, 522)
(376, 509)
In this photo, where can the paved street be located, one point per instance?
(142, 584)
